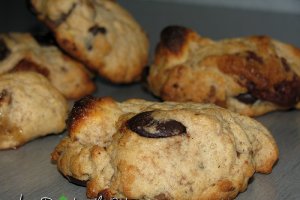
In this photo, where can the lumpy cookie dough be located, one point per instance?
(251, 75)
(100, 33)
(26, 52)
(30, 107)
(148, 150)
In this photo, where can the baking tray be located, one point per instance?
(28, 170)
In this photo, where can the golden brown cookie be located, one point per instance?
(100, 33)
(251, 75)
(148, 150)
(24, 52)
(30, 107)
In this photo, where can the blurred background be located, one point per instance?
(216, 19)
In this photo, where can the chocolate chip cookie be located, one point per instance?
(101, 34)
(251, 75)
(30, 107)
(26, 52)
(148, 150)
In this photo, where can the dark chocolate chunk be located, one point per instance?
(97, 29)
(246, 98)
(4, 50)
(285, 93)
(253, 56)
(146, 126)
(5, 97)
(76, 181)
(45, 38)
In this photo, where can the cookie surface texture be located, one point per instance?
(148, 150)
(100, 33)
(25, 52)
(30, 107)
(251, 75)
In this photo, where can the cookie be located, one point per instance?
(101, 34)
(149, 150)
(30, 107)
(26, 52)
(251, 75)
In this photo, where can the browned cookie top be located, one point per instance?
(26, 52)
(101, 34)
(250, 75)
(139, 149)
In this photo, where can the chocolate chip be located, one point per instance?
(30, 7)
(44, 39)
(175, 85)
(76, 181)
(4, 50)
(146, 126)
(246, 98)
(253, 56)
(250, 85)
(287, 93)
(97, 29)
(5, 97)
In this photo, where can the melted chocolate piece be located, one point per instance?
(76, 181)
(27, 65)
(285, 93)
(246, 98)
(4, 50)
(146, 126)
(44, 39)
(253, 56)
(97, 29)
(285, 64)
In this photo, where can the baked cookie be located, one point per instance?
(100, 33)
(149, 150)
(251, 75)
(24, 52)
(30, 107)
